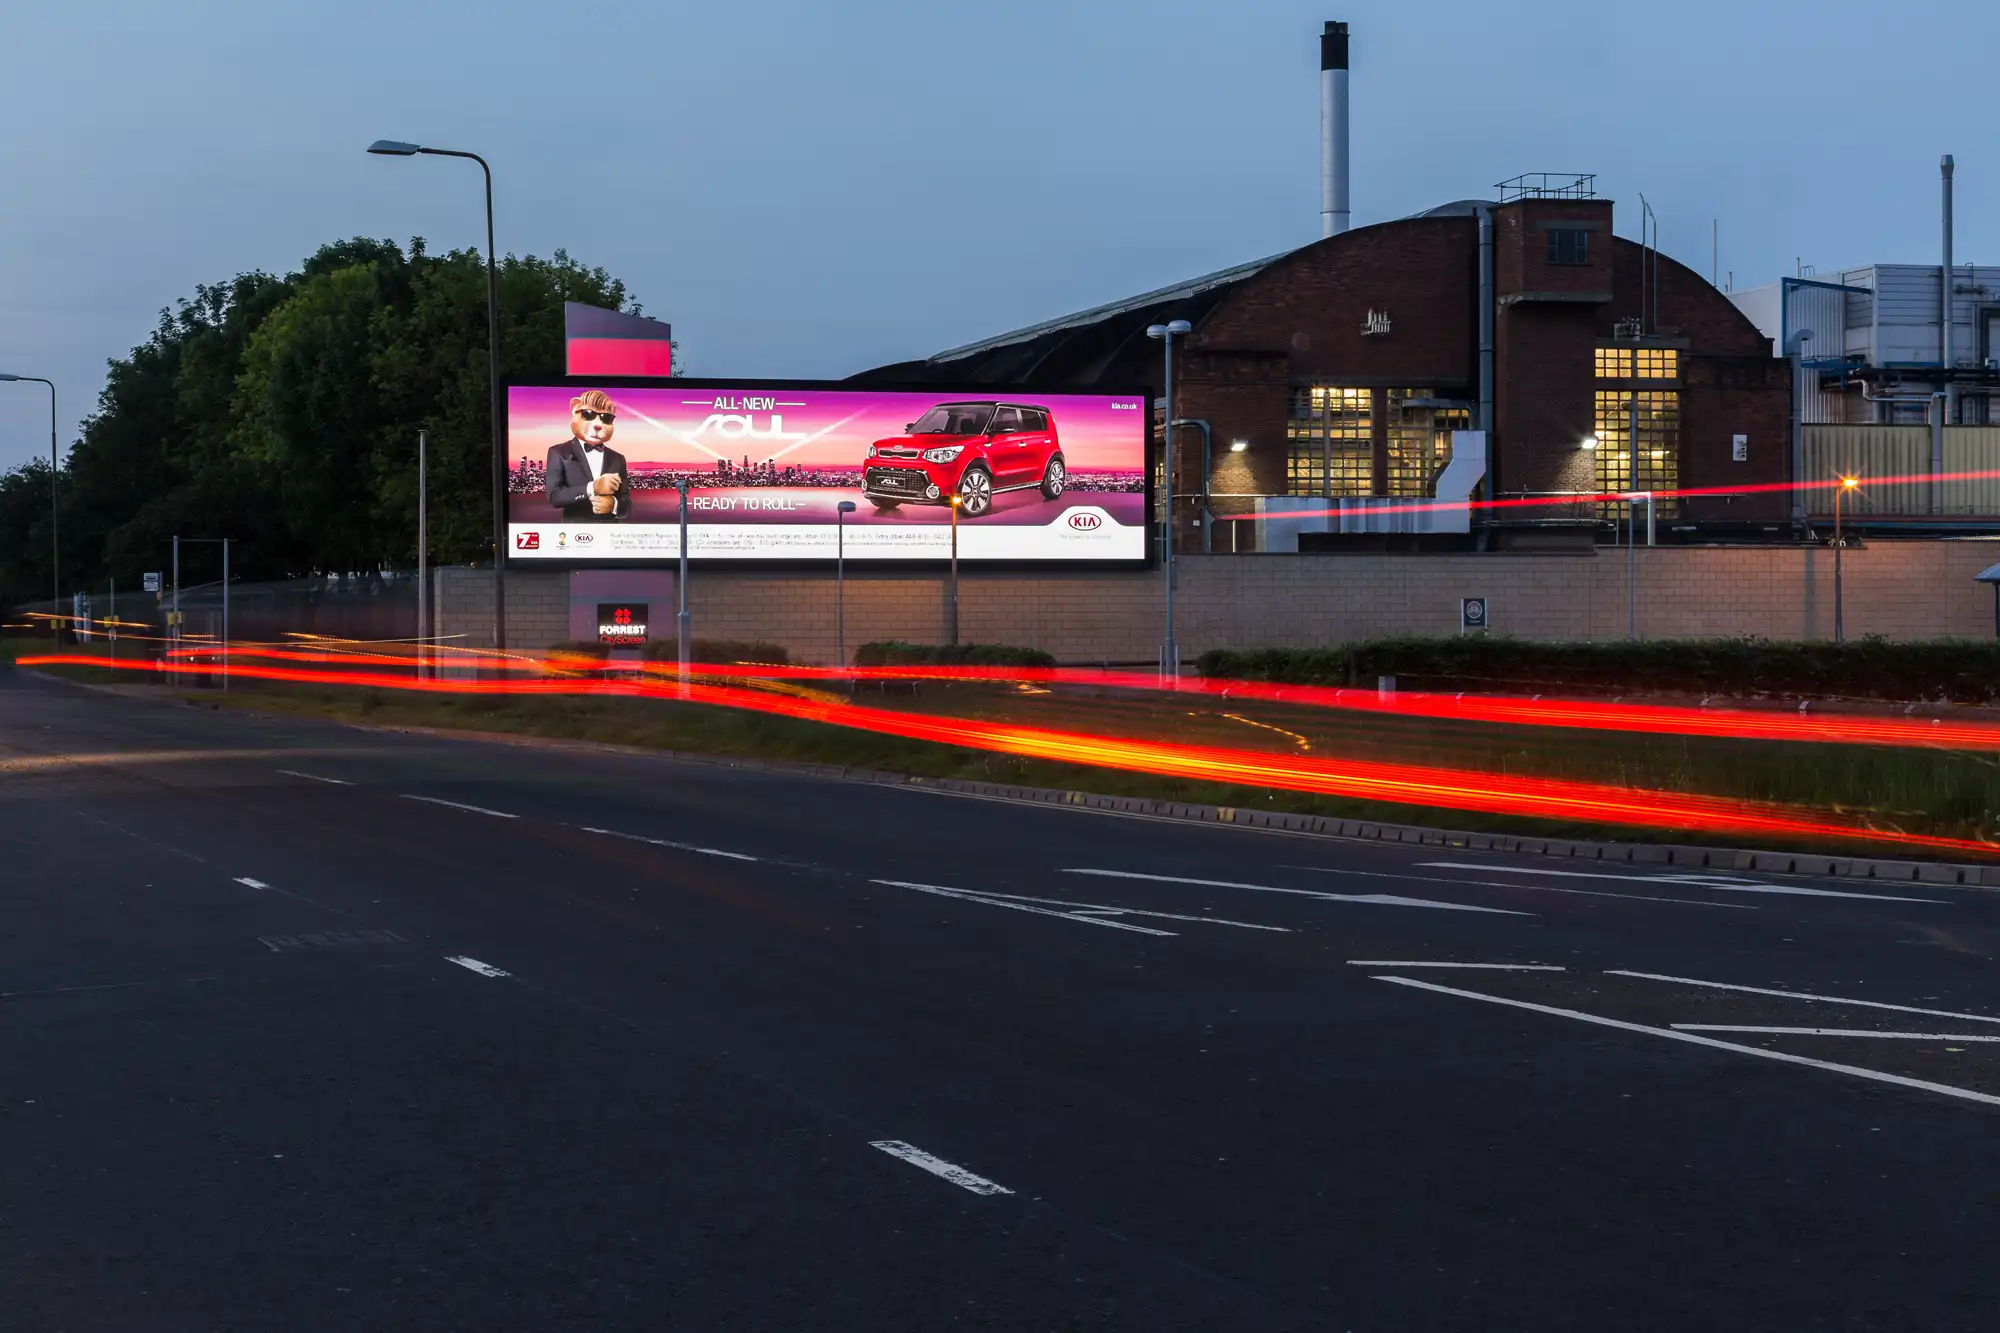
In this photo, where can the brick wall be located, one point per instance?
(1900, 590)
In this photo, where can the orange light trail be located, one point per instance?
(1402, 784)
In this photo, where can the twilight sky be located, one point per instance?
(807, 189)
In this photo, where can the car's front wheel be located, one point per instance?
(975, 492)
(1055, 478)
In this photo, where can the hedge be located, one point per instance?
(893, 652)
(713, 651)
(1955, 670)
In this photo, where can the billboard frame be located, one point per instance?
(855, 567)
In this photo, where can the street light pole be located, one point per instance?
(423, 554)
(498, 399)
(840, 513)
(1170, 658)
(55, 520)
(1839, 627)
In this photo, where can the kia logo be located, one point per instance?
(1085, 522)
(584, 539)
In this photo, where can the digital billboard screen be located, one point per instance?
(1039, 477)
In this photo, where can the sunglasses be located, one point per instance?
(606, 417)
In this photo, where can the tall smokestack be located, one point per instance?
(1333, 130)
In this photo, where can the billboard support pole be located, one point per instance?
(840, 513)
(954, 570)
(1170, 654)
(423, 556)
(683, 625)
(225, 614)
(174, 634)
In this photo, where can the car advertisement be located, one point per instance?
(595, 471)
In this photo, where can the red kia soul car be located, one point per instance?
(972, 450)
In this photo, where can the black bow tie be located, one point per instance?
(590, 447)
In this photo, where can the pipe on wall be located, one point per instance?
(1945, 170)
(1486, 339)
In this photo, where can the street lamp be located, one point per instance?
(956, 501)
(1846, 484)
(395, 148)
(55, 536)
(840, 513)
(1170, 659)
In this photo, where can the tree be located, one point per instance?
(283, 411)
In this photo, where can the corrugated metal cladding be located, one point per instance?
(1902, 317)
(1876, 452)
(1823, 310)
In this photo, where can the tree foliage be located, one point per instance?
(283, 412)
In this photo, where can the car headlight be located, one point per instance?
(871, 451)
(947, 454)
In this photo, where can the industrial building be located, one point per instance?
(1339, 381)
(1886, 386)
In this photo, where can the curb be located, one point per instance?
(1325, 826)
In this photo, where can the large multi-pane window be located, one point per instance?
(1644, 403)
(1330, 442)
(1419, 431)
(1658, 466)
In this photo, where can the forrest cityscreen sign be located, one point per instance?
(1039, 477)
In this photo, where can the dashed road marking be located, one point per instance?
(1484, 967)
(677, 846)
(1803, 995)
(937, 1166)
(248, 882)
(459, 805)
(483, 969)
(1783, 1057)
(1719, 883)
(1380, 899)
(314, 777)
(329, 939)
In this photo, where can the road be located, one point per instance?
(311, 1027)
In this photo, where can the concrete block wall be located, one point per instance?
(1900, 590)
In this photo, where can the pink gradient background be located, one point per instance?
(843, 423)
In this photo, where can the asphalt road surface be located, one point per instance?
(308, 1027)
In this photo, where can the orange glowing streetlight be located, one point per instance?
(1846, 484)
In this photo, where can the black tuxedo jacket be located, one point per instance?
(569, 483)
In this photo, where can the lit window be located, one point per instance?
(1569, 246)
(1658, 363)
(1614, 363)
(1659, 419)
(1330, 442)
(1419, 440)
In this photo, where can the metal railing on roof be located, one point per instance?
(1548, 185)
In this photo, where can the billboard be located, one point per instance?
(595, 466)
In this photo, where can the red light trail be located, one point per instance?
(1403, 784)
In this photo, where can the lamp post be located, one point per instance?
(55, 535)
(956, 501)
(1170, 659)
(840, 513)
(423, 554)
(1846, 484)
(498, 408)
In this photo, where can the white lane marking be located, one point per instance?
(1486, 967)
(1837, 1032)
(1104, 909)
(459, 805)
(314, 777)
(1537, 888)
(1719, 883)
(252, 883)
(1783, 1057)
(483, 969)
(967, 895)
(677, 846)
(1802, 995)
(1381, 899)
(937, 1166)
